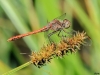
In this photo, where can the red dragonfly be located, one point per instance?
(55, 25)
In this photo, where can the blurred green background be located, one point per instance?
(21, 16)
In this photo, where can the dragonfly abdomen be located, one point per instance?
(26, 34)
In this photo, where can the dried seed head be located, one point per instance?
(58, 50)
(45, 55)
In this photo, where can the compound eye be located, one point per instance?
(66, 23)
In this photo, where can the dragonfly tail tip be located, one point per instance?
(8, 40)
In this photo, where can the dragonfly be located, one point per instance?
(55, 25)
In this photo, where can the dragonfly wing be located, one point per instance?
(62, 17)
(46, 33)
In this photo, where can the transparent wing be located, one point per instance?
(63, 16)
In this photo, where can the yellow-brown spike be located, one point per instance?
(58, 50)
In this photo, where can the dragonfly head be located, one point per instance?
(66, 23)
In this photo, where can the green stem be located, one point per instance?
(17, 69)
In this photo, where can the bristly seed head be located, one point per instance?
(65, 46)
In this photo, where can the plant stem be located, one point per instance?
(17, 69)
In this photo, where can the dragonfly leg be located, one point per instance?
(67, 32)
(59, 33)
(73, 31)
(49, 35)
(61, 36)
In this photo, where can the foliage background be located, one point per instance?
(21, 16)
